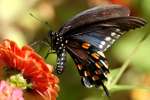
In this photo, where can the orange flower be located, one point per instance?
(31, 65)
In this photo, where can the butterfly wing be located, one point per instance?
(103, 34)
(91, 64)
(93, 15)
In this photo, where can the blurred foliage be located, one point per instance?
(17, 24)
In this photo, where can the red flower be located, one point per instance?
(31, 65)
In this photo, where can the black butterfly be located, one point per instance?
(87, 35)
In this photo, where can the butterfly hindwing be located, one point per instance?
(91, 63)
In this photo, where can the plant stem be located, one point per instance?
(126, 63)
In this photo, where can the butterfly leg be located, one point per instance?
(49, 52)
(38, 45)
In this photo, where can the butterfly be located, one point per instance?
(87, 36)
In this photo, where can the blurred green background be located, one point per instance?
(17, 24)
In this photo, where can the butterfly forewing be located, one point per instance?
(93, 15)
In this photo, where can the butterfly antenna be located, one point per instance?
(45, 23)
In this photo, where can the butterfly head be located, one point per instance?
(52, 36)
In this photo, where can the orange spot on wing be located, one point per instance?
(85, 45)
(79, 66)
(94, 78)
(86, 73)
(97, 65)
(95, 55)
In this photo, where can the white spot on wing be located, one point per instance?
(101, 53)
(108, 46)
(100, 46)
(113, 34)
(103, 42)
(108, 38)
(112, 41)
(117, 36)
(117, 30)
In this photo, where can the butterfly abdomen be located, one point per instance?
(59, 44)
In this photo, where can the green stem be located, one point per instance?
(126, 63)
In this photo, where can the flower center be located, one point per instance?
(15, 78)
